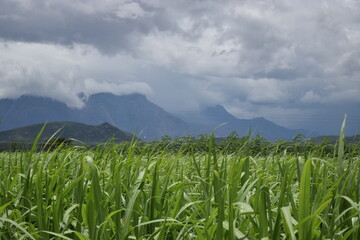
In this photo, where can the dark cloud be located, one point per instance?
(109, 30)
(289, 61)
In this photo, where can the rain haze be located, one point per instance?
(296, 63)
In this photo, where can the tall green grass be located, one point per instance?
(110, 193)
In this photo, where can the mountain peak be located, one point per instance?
(260, 119)
(219, 114)
(219, 108)
(106, 125)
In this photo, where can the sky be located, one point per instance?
(296, 63)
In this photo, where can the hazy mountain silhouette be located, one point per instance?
(134, 113)
(225, 123)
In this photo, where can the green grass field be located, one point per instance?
(118, 193)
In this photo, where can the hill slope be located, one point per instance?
(85, 133)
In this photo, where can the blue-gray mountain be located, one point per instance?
(134, 113)
(213, 117)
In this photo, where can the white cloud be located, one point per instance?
(62, 73)
(265, 91)
(311, 97)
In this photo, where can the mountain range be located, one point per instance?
(134, 113)
(214, 116)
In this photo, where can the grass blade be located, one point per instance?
(341, 148)
(304, 202)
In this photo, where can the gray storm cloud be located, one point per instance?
(294, 62)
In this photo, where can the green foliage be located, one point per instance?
(182, 188)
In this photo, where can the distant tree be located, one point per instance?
(202, 142)
(232, 143)
(166, 139)
(14, 146)
(259, 146)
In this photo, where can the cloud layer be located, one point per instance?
(296, 63)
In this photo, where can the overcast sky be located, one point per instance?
(296, 63)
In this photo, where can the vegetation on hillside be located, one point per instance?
(72, 132)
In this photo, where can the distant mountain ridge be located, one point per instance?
(88, 134)
(217, 116)
(134, 113)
